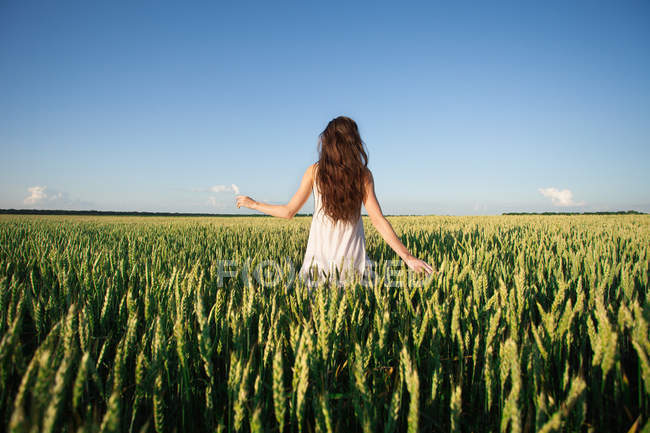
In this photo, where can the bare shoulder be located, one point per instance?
(368, 179)
(368, 184)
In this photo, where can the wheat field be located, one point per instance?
(162, 324)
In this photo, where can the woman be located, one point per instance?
(341, 181)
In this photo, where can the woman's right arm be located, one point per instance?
(386, 230)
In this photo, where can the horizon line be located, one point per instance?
(13, 211)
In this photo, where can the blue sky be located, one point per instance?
(470, 108)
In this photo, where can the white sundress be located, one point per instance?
(334, 246)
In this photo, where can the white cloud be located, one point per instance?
(225, 204)
(218, 188)
(560, 197)
(224, 188)
(217, 199)
(37, 194)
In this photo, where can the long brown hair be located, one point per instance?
(341, 170)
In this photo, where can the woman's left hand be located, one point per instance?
(246, 201)
(418, 265)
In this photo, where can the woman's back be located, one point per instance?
(333, 244)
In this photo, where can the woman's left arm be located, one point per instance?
(288, 210)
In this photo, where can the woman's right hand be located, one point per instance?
(246, 201)
(418, 265)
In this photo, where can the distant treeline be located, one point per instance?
(120, 213)
(618, 212)
(181, 214)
